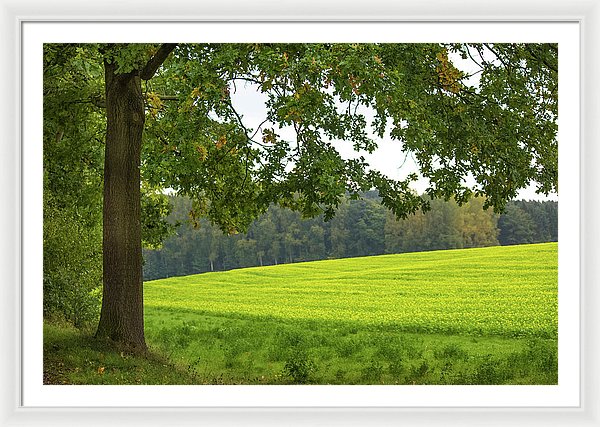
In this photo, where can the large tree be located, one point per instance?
(171, 123)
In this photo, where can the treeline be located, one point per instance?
(360, 228)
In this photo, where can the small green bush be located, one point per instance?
(299, 367)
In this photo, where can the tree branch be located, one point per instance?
(156, 61)
(497, 55)
(100, 102)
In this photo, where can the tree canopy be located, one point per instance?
(150, 117)
(501, 132)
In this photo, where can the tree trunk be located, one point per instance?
(122, 313)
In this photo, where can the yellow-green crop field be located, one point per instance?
(501, 290)
(459, 310)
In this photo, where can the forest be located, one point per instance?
(362, 227)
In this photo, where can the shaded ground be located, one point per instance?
(75, 357)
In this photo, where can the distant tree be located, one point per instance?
(442, 226)
(551, 208)
(314, 242)
(478, 226)
(292, 242)
(516, 226)
(545, 216)
(266, 232)
(445, 226)
(406, 235)
(436, 229)
(245, 251)
(339, 234)
(365, 223)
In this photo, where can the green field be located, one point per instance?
(473, 316)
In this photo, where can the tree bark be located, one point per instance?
(122, 312)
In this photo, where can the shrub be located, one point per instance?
(299, 367)
(72, 268)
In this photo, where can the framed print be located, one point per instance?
(561, 392)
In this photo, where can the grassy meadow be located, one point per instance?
(460, 316)
(472, 316)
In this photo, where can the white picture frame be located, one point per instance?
(14, 218)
